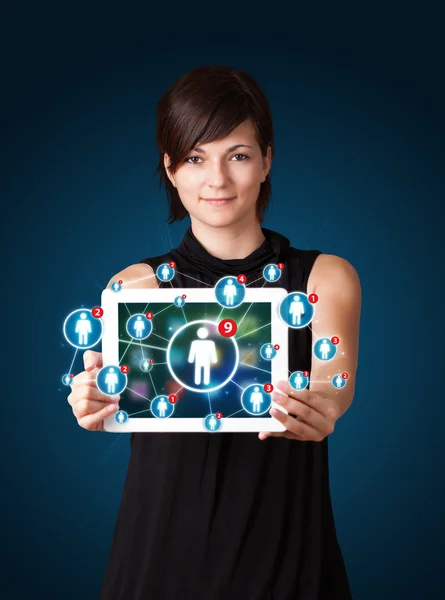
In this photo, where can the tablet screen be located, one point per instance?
(185, 355)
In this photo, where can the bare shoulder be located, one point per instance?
(329, 269)
(139, 275)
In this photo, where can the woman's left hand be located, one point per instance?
(311, 416)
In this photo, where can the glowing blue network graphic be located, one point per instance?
(202, 356)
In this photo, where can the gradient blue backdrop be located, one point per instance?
(358, 172)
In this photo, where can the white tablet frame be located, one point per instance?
(110, 355)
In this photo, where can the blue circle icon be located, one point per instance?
(255, 400)
(146, 365)
(200, 358)
(116, 286)
(139, 327)
(324, 349)
(66, 379)
(271, 273)
(338, 382)
(268, 352)
(81, 329)
(298, 381)
(179, 301)
(111, 381)
(229, 292)
(296, 310)
(121, 417)
(165, 272)
(211, 423)
(161, 407)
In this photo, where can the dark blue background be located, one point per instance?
(357, 101)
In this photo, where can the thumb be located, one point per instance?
(92, 359)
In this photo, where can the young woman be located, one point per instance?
(231, 516)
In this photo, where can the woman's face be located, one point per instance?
(219, 170)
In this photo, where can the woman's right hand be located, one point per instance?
(90, 406)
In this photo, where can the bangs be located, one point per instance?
(203, 120)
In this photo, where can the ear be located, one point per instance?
(267, 163)
(166, 166)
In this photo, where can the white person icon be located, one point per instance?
(255, 400)
(111, 380)
(271, 273)
(229, 292)
(139, 326)
(165, 272)
(161, 408)
(202, 353)
(324, 349)
(211, 423)
(296, 310)
(82, 329)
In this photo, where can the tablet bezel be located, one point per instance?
(110, 355)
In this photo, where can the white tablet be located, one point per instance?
(183, 362)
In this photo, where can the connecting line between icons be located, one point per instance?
(127, 308)
(210, 405)
(72, 362)
(181, 306)
(309, 327)
(144, 345)
(235, 413)
(253, 331)
(152, 383)
(141, 278)
(250, 283)
(239, 322)
(126, 349)
(190, 277)
(162, 310)
(237, 384)
(160, 336)
(252, 367)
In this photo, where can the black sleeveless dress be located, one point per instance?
(228, 516)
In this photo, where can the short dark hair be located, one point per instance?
(205, 105)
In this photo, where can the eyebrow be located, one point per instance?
(231, 149)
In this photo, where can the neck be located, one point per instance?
(235, 241)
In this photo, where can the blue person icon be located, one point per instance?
(111, 381)
(165, 272)
(298, 380)
(139, 327)
(338, 381)
(211, 423)
(296, 310)
(255, 400)
(81, 329)
(229, 292)
(271, 273)
(268, 352)
(324, 349)
(161, 408)
(179, 301)
(116, 286)
(121, 417)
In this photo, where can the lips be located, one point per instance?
(217, 199)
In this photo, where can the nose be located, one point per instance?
(217, 175)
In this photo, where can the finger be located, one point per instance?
(287, 434)
(94, 421)
(88, 377)
(89, 392)
(89, 407)
(301, 410)
(306, 396)
(92, 359)
(301, 429)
